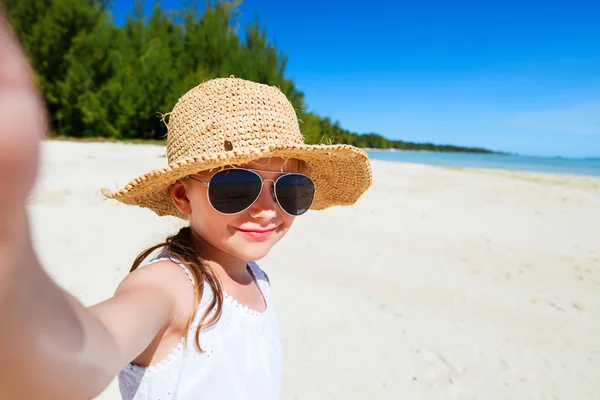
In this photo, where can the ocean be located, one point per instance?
(555, 165)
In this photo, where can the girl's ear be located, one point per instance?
(180, 199)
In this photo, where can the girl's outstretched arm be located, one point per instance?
(51, 347)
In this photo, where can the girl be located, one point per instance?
(198, 319)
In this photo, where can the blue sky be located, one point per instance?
(516, 76)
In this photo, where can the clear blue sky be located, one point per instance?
(517, 76)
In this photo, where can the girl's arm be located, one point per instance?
(51, 347)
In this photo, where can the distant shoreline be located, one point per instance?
(371, 149)
(540, 164)
(442, 148)
(489, 152)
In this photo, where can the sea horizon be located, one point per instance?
(586, 166)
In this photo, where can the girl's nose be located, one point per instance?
(265, 207)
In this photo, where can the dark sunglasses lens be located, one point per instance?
(233, 190)
(295, 193)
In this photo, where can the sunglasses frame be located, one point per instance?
(262, 185)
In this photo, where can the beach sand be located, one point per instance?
(438, 284)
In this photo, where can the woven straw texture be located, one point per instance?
(231, 121)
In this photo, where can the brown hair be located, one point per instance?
(183, 247)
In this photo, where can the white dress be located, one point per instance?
(242, 356)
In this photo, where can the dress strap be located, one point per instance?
(259, 275)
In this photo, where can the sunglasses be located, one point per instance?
(234, 190)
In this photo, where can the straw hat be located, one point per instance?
(231, 121)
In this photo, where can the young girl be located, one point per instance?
(195, 316)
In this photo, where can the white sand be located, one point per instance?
(437, 284)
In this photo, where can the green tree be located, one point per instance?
(100, 80)
(48, 29)
(89, 93)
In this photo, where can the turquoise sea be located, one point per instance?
(555, 165)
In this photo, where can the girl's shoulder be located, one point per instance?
(171, 277)
(166, 260)
(175, 283)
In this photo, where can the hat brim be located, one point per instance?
(341, 174)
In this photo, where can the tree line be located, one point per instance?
(100, 80)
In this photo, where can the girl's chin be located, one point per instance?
(253, 251)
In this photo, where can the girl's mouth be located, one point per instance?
(257, 234)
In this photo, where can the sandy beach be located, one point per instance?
(438, 284)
